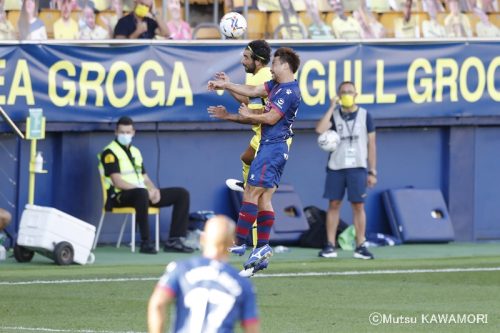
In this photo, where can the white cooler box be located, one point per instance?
(42, 229)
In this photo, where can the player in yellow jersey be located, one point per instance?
(255, 58)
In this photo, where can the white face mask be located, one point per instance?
(124, 139)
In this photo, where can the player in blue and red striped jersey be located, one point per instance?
(283, 100)
(209, 294)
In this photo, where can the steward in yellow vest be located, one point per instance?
(128, 185)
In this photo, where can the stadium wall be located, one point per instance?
(418, 145)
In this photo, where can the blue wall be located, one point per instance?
(460, 160)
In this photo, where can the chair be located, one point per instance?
(106, 14)
(127, 211)
(495, 19)
(48, 17)
(207, 31)
(273, 20)
(13, 17)
(474, 20)
(258, 20)
(305, 18)
(387, 19)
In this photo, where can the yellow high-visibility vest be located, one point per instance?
(131, 173)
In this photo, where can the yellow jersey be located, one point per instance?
(255, 103)
(66, 30)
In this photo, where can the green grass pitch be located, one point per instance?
(412, 288)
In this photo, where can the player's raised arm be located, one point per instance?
(326, 121)
(250, 117)
(224, 77)
(220, 112)
(241, 89)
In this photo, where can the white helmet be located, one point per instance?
(329, 141)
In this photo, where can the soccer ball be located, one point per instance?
(329, 141)
(233, 25)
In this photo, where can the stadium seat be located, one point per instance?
(328, 18)
(257, 28)
(421, 17)
(48, 17)
(495, 19)
(387, 19)
(207, 31)
(296, 30)
(473, 19)
(305, 18)
(98, 18)
(273, 20)
(125, 211)
(440, 17)
(13, 17)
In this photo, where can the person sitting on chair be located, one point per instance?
(131, 187)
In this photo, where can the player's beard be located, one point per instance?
(250, 68)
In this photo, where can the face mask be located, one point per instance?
(141, 10)
(124, 139)
(347, 101)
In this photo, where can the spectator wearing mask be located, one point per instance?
(142, 23)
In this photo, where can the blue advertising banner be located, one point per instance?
(168, 82)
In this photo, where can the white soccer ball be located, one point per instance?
(233, 25)
(329, 141)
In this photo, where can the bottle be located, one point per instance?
(39, 162)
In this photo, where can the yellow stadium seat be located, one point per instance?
(257, 23)
(495, 19)
(387, 20)
(440, 17)
(13, 17)
(473, 19)
(421, 17)
(101, 14)
(49, 16)
(273, 20)
(328, 18)
(207, 31)
(305, 18)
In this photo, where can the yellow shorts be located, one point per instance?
(255, 142)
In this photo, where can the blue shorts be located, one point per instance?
(268, 165)
(353, 179)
